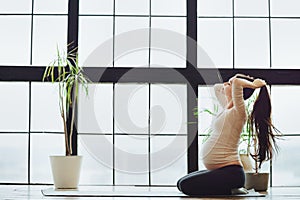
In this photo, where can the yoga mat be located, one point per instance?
(120, 191)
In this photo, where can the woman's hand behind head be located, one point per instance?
(258, 83)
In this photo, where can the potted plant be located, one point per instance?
(254, 179)
(66, 71)
(214, 112)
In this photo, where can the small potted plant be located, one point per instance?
(66, 71)
(255, 179)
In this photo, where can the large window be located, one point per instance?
(136, 133)
(250, 34)
(115, 20)
(131, 133)
(134, 122)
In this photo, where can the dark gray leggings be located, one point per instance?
(212, 182)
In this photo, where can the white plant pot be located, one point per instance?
(257, 181)
(66, 171)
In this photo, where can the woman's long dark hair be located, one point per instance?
(261, 123)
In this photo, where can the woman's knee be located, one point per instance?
(182, 181)
(183, 185)
(179, 184)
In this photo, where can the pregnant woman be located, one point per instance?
(224, 174)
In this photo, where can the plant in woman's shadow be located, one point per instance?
(247, 139)
(210, 111)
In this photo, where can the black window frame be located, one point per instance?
(191, 73)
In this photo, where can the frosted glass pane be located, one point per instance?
(45, 42)
(53, 6)
(176, 24)
(41, 147)
(215, 38)
(286, 165)
(285, 43)
(14, 106)
(168, 159)
(45, 111)
(284, 8)
(15, 6)
(251, 8)
(95, 111)
(96, 7)
(206, 100)
(132, 7)
(131, 160)
(168, 109)
(168, 42)
(95, 38)
(214, 7)
(286, 108)
(128, 53)
(252, 48)
(15, 40)
(168, 7)
(131, 108)
(97, 152)
(13, 158)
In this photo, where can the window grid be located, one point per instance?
(234, 16)
(32, 16)
(29, 128)
(149, 135)
(114, 134)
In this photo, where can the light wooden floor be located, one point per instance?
(16, 192)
